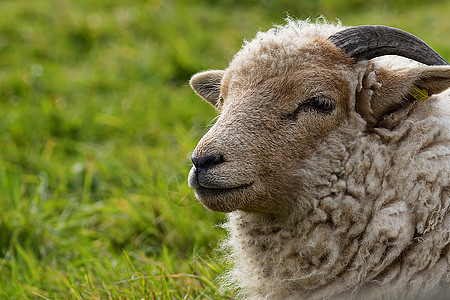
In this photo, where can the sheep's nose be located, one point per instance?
(206, 162)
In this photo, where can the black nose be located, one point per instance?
(206, 162)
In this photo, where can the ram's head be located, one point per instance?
(284, 93)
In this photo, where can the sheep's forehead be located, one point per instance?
(274, 56)
(285, 40)
(282, 55)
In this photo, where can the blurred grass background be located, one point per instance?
(96, 125)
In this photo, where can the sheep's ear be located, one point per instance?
(382, 91)
(207, 85)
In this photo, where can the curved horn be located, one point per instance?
(369, 41)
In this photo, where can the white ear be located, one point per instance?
(207, 85)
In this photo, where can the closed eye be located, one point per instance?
(320, 103)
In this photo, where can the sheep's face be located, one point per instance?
(275, 104)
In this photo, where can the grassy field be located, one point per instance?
(96, 126)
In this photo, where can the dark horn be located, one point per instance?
(370, 41)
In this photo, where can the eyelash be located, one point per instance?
(318, 103)
(321, 103)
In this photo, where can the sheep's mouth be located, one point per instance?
(202, 181)
(217, 192)
(221, 190)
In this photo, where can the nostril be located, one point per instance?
(207, 161)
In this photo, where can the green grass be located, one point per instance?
(96, 126)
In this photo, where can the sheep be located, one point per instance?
(331, 157)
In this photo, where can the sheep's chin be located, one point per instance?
(222, 200)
